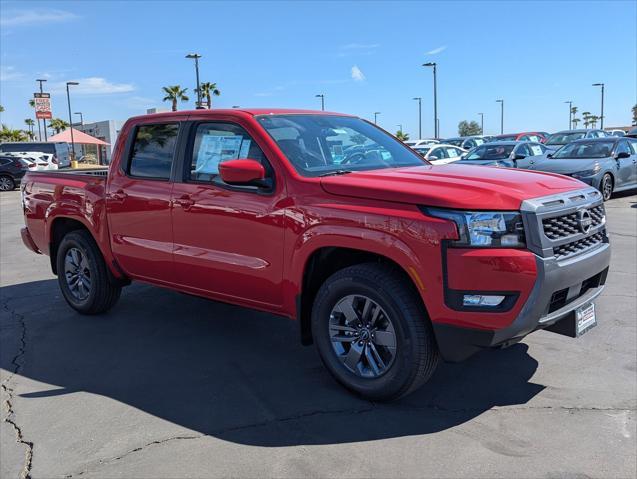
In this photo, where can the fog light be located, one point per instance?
(481, 300)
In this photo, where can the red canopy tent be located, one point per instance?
(79, 138)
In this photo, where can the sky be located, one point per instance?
(365, 57)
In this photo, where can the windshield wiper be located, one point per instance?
(336, 172)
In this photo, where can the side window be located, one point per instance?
(218, 142)
(523, 150)
(452, 152)
(439, 152)
(622, 147)
(153, 151)
(633, 145)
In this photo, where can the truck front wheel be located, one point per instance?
(83, 276)
(372, 332)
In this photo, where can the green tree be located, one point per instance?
(174, 94)
(402, 136)
(32, 103)
(592, 120)
(208, 90)
(468, 128)
(573, 113)
(635, 115)
(1, 108)
(575, 122)
(8, 134)
(586, 116)
(58, 125)
(30, 124)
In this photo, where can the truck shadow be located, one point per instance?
(232, 373)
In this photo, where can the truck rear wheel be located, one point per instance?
(372, 332)
(82, 274)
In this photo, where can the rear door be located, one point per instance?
(139, 203)
(228, 239)
(625, 166)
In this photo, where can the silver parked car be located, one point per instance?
(557, 140)
(608, 164)
(508, 154)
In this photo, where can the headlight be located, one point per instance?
(586, 173)
(484, 229)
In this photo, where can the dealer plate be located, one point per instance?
(585, 319)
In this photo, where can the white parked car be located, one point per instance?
(43, 161)
(441, 153)
(421, 142)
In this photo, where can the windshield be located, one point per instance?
(322, 144)
(423, 150)
(564, 138)
(586, 149)
(490, 151)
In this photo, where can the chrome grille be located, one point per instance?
(580, 245)
(563, 226)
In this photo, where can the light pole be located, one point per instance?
(196, 57)
(570, 114)
(81, 117)
(481, 123)
(419, 116)
(68, 99)
(602, 114)
(376, 113)
(501, 102)
(434, 65)
(400, 127)
(43, 119)
(322, 97)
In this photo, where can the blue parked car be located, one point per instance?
(508, 154)
(608, 164)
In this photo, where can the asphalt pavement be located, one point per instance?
(167, 386)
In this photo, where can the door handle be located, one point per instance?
(118, 196)
(185, 201)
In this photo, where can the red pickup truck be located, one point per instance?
(388, 263)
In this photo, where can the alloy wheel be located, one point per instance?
(77, 274)
(607, 187)
(6, 184)
(362, 336)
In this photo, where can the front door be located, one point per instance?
(228, 240)
(625, 166)
(138, 203)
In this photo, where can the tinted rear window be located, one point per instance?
(153, 151)
(28, 147)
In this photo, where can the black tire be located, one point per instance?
(416, 353)
(6, 183)
(606, 186)
(102, 293)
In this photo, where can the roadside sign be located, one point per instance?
(42, 106)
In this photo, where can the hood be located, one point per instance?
(565, 166)
(451, 186)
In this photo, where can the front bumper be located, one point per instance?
(560, 288)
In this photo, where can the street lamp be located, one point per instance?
(602, 114)
(400, 127)
(570, 114)
(434, 65)
(501, 102)
(376, 113)
(419, 116)
(68, 99)
(322, 97)
(196, 57)
(43, 119)
(481, 123)
(81, 117)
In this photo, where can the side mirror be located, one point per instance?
(621, 155)
(243, 172)
(463, 157)
(433, 158)
(549, 155)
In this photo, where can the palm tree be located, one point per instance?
(1, 108)
(175, 93)
(402, 136)
(58, 125)
(32, 103)
(634, 109)
(586, 115)
(575, 122)
(209, 89)
(593, 121)
(7, 134)
(30, 123)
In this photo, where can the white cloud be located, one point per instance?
(18, 18)
(357, 74)
(8, 73)
(435, 51)
(357, 49)
(94, 86)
